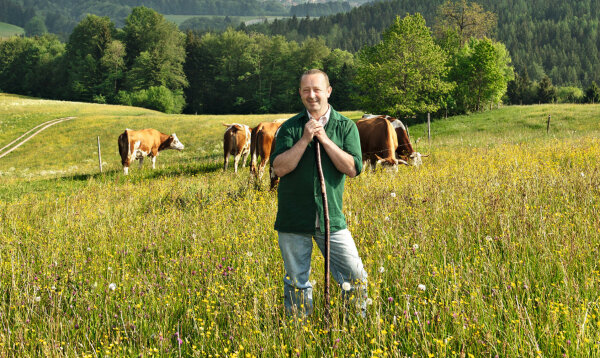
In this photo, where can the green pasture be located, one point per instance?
(490, 248)
(8, 30)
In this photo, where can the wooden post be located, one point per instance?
(428, 126)
(99, 155)
(548, 124)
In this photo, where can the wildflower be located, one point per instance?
(421, 287)
(313, 282)
(415, 247)
(381, 269)
(393, 195)
(249, 253)
(112, 286)
(390, 299)
(346, 286)
(53, 288)
(37, 299)
(387, 218)
(488, 238)
(369, 301)
(89, 249)
(582, 175)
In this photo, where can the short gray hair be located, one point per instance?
(315, 71)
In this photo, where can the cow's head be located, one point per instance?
(391, 162)
(175, 143)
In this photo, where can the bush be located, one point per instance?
(158, 98)
(569, 95)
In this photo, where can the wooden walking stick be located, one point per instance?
(326, 223)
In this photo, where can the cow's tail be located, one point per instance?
(124, 147)
(254, 148)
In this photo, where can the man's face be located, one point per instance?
(314, 92)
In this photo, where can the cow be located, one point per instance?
(405, 149)
(263, 136)
(145, 142)
(236, 142)
(378, 141)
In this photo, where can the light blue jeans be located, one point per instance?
(345, 266)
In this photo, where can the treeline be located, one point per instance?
(556, 38)
(150, 63)
(61, 16)
(320, 9)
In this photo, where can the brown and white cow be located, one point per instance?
(236, 142)
(378, 141)
(263, 142)
(404, 150)
(145, 142)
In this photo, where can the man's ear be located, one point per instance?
(329, 90)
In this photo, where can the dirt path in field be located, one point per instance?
(30, 134)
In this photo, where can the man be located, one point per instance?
(300, 208)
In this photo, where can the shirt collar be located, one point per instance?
(324, 118)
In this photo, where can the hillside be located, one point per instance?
(557, 38)
(8, 30)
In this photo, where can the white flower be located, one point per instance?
(369, 301)
(489, 238)
(109, 268)
(415, 247)
(582, 175)
(112, 287)
(89, 249)
(346, 286)
(393, 195)
(421, 287)
(53, 288)
(387, 218)
(381, 269)
(37, 299)
(95, 284)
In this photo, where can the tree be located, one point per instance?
(155, 51)
(86, 47)
(35, 27)
(481, 71)
(403, 74)
(546, 91)
(466, 19)
(592, 93)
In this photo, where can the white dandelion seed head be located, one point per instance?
(95, 284)
(112, 286)
(346, 286)
(89, 249)
(393, 195)
(415, 246)
(582, 174)
(489, 238)
(387, 218)
(369, 301)
(421, 287)
(381, 269)
(249, 253)
(53, 288)
(37, 299)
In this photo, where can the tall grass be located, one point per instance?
(489, 249)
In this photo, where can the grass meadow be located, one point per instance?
(8, 30)
(490, 249)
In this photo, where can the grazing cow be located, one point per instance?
(236, 142)
(263, 136)
(404, 150)
(378, 141)
(145, 142)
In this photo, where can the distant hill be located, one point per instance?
(560, 38)
(8, 30)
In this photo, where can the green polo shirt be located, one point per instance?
(299, 192)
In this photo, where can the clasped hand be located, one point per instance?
(314, 128)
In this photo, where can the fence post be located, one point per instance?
(548, 124)
(99, 155)
(428, 126)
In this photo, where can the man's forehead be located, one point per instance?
(313, 80)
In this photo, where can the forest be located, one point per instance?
(556, 38)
